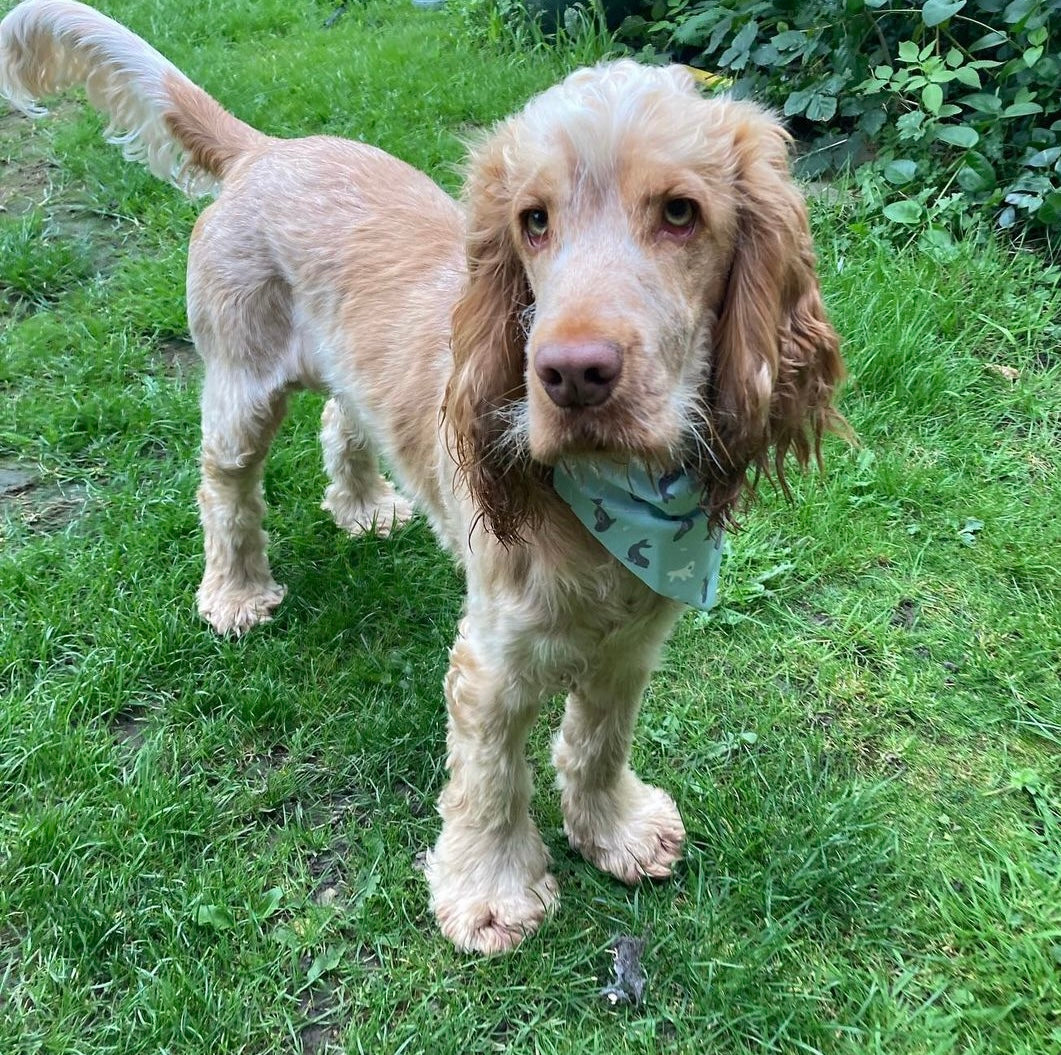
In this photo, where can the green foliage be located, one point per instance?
(35, 267)
(577, 34)
(948, 109)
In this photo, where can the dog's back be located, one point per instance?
(329, 264)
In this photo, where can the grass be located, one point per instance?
(210, 846)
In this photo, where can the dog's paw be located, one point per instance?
(357, 517)
(234, 612)
(489, 904)
(635, 832)
(488, 923)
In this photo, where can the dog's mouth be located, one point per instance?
(611, 398)
(605, 434)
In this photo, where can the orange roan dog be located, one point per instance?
(629, 281)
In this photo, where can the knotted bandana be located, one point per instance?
(651, 524)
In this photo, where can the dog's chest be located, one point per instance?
(603, 615)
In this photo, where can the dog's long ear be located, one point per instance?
(777, 358)
(488, 340)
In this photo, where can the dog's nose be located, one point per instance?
(579, 373)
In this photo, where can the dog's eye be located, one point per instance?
(679, 214)
(536, 224)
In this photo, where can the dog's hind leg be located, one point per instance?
(358, 497)
(240, 417)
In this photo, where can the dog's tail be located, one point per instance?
(155, 113)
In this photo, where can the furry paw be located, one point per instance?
(358, 517)
(488, 905)
(489, 922)
(633, 832)
(234, 612)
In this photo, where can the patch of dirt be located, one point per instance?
(339, 809)
(319, 1006)
(418, 805)
(328, 868)
(104, 235)
(14, 480)
(369, 959)
(52, 507)
(321, 1032)
(905, 614)
(179, 361)
(1047, 358)
(258, 765)
(130, 731)
(33, 180)
(815, 615)
(28, 172)
(41, 507)
(130, 727)
(318, 1040)
(506, 1031)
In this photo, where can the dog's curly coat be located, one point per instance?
(621, 233)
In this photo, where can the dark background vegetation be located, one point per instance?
(946, 111)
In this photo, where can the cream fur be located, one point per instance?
(330, 265)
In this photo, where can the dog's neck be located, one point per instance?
(652, 523)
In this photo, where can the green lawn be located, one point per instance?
(210, 846)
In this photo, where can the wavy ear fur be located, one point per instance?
(488, 341)
(777, 356)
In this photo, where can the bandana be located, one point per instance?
(652, 525)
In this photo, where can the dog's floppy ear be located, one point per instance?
(777, 358)
(488, 342)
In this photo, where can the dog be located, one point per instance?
(629, 281)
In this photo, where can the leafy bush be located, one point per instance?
(947, 108)
(580, 33)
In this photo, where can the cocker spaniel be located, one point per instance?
(628, 283)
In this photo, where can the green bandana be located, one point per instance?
(652, 525)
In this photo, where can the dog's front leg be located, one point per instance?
(488, 873)
(616, 821)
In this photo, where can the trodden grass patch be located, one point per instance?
(211, 846)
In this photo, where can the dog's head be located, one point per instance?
(641, 286)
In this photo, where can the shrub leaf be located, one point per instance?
(958, 135)
(900, 172)
(906, 211)
(936, 11)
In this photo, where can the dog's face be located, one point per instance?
(626, 242)
(641, 286)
